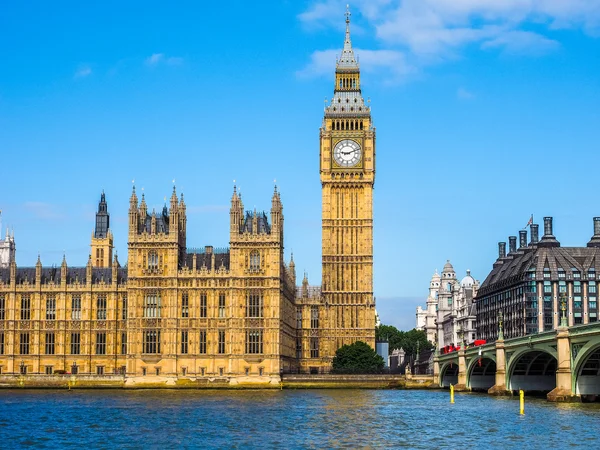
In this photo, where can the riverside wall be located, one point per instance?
(325, 381)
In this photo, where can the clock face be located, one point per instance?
(347, 153)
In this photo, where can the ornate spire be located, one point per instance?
(102, 218)
(347, 59)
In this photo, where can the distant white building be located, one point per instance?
(7, 247)
(450, 311)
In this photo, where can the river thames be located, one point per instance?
(290, 419)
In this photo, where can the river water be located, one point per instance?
(289, 419)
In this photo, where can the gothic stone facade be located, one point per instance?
(234, 313)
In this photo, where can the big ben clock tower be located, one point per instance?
(347, 166)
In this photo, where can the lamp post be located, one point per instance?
(563, 308)
(500, 329)
(22, 368)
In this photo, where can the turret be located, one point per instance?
(102, 238)
(63, 271)
(143, 213)
(276, 213)
(38, 271)
(173, 219)
(293, 269)
(235, 213)
(134, 217)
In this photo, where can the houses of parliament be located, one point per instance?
(238, 313)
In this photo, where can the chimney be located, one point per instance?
(208, 249)
(522, 239)
(512, 244)
(595, 241)
(548, 227)
(548, 239)
(534, 233)
(501, 250)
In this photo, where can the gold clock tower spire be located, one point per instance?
(347, 166)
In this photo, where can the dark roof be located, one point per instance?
(162, 222)
(514, 267)
(5, 275)
(74, 274)
(262, 223)
(25, 273)
(205, 259)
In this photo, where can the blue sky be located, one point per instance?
(486, 112)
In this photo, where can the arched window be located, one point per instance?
(152, 260)
(254, 261)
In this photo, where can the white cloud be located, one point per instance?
(391, 63)
(432, 31)
(160, 58)
(464, 94)
(82, 72)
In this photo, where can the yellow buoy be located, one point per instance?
(522, 402)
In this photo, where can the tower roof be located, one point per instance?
(347, 60)
(347, 99)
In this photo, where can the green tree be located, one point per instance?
(403, 339)
(357, 358)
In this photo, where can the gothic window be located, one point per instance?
(123, 343)
(314, 347)
(151, 341)
(254, 261)
(100, 343)
(152, 306)
(49, 343)
(221, 305)
(152, 261)
(203, 305)
(50, 309)
(75, 307)
(314, 317)
(254, 304)
(185, 311)
(2, 307)
(75, 343)
(25, 307)
(24, 344)
(299, 318)
(184, 342)
(124, 308)
(101, 307)
(202, 342)
(1, 343)
(254, 342)
(221, 348)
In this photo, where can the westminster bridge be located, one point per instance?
(564, 362)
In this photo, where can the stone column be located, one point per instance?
(562, 392)
(500, 387)
(436, 371)
(462, 371)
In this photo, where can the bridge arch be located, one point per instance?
(481, 373)
(532, 369)
(586, 371)
(449, 374)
